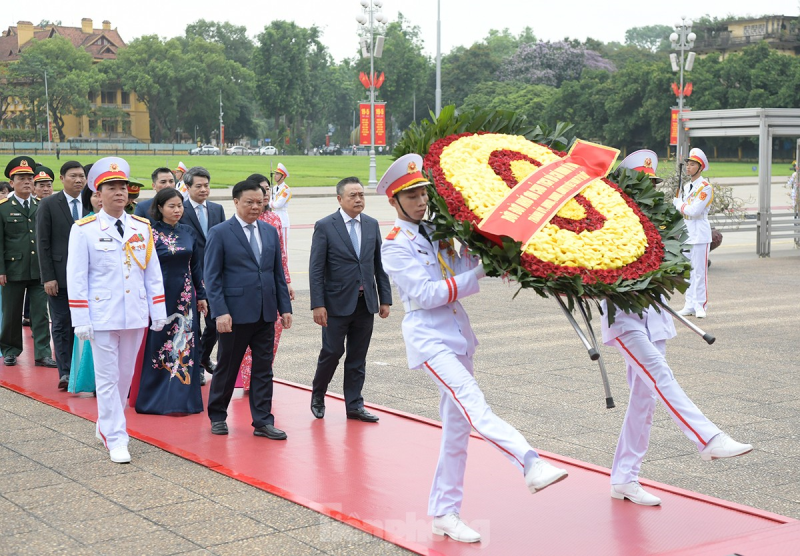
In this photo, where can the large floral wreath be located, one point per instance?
(617, 239)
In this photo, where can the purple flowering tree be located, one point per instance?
(546, 63)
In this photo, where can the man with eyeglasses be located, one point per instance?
(348, 286)
(201, 215)
(54, 221)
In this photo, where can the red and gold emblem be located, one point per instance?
(412, 167)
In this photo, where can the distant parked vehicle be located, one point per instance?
(332, 150)
(238, 150)
(268, 150)
(205, 149)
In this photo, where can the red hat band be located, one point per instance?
(109, 176)
(698, 160)
(646, 169)
(403, 182)
(24, 169)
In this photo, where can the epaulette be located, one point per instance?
(705, 183)
(3, 200)
(393, 233)
(141, 219)
(86, 219)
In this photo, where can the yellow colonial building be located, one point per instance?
(779, 31)
(102, 44)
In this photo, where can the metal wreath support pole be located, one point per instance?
(709, 338)
(600, 363)
(594, 355)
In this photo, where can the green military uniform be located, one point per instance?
(20, 264)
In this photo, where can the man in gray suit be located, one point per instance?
(344, 270)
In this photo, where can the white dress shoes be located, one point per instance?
(542, 474)
(686, 311)
(700, 313)
(452, 526)
(723, 446)
(120, 454)
(635, 493)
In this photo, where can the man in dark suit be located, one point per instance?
(344, 270)
(246, 290)
(19, 267)
(162, 178)
(201, 215)
(54, 219)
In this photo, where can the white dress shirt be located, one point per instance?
(347, 224)
(247, 231)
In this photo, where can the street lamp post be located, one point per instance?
(438, 57)
(682, 39)
(368, 19)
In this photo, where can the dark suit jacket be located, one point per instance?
(216, 215)
(336, 274)
(143, 209)
(53, 225)
(237, 284)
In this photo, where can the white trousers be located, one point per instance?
(697, 292)
(650, 379)
(462, 407)
(114, 353)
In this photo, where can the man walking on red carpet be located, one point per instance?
(430, 278)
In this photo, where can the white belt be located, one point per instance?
(411, 305)
(701, 217)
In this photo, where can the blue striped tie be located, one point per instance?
(354, 237)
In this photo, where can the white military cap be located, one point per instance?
(404, 173)
(111, 168)
(643, 160)
(698, 156)
(282, 169)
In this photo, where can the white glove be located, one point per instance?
(84, 332)
(158, 325)
(479, 271)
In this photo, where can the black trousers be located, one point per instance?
(207, 340)
(11, 328)
(356, 329)
(61, 330)
(260, 337)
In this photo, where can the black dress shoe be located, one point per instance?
(209, 367)
(63, 382)
(46, 362)
(269, 431)
(219, 427)
(363, 415)
(318, 406)
(10, 360)
(26, 321)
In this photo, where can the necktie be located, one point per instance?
(253, 242)
(354, 237)
(424, 233)
(120, 229)
(75, 214)
(201, 216)
(25, 204)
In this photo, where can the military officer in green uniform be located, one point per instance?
(19, 267)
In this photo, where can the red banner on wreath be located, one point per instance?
(535, 201)
(380, 124)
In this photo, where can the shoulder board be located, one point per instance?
(706, 183)
(3, 200)
(86, 220)
(393, 233)
(141, 219)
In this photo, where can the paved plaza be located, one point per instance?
(60, 494)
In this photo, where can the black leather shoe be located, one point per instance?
(26, 322)
(363, 415)
(10, 360)
(269, 431)
(209, 367)
(219, 427)
(318, 406)
(63, 382)
(46, 362)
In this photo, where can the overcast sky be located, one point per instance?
(463, 21)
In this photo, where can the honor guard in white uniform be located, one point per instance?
(431, 277)
(694, 201)
(279, 199)
(179, 184)
(115, 289)
(642, 342)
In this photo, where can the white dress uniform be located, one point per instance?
(279, 198)
(116, 287)
(694, 203)
(439, 339)
(642, 342)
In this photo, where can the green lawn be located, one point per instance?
(304, 171)
(308, 171)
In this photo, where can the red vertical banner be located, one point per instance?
(222, 136)
(673, 127)
(380, 124)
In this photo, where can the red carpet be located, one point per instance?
(376, 477)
